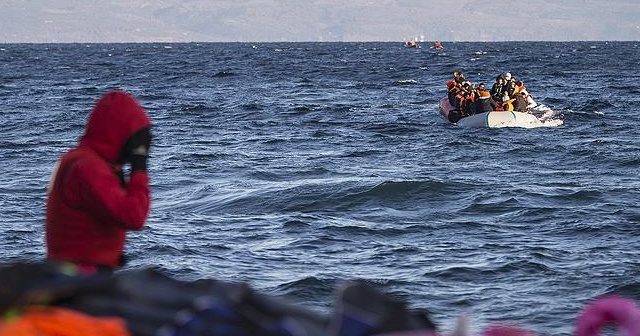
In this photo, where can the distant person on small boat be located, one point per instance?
(438, 45)
(91, 204)
(412, 44)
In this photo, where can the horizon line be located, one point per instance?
(264, 42)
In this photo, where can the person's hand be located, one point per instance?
(139, 156)
(136, 150)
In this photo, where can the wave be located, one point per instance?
(223, 74)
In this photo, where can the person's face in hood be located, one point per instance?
(114, 119)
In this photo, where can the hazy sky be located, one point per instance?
(317, 20)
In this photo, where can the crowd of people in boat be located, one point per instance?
(507, 94)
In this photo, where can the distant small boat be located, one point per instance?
(437, 45)
(412, 44)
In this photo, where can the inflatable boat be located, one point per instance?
(492, 119)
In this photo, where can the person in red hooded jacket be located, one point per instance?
(91, 205)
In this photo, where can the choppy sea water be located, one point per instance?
(294, 166)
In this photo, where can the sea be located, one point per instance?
(296, 167)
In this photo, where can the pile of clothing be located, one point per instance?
(55, 299)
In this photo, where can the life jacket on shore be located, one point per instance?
(58, 321)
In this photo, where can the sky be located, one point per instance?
(61, 21)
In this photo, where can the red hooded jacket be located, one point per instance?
(89, 208)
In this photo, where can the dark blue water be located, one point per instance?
(296, 165)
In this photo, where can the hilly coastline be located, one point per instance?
(316, 20)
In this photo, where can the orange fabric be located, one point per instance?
(519, 89)
(472, 98)
(55, 321)
(451, 84)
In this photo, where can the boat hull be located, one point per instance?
(492, 119)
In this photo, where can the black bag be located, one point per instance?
(362, 310)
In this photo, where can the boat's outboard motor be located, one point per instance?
(454, 116)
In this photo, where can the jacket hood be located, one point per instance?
(115, 117)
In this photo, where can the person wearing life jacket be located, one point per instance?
(520, 102)
(452, 95)
(90, 204)
(519, 85)
(458, 99)
(507, 100)
(484, 102)
(475, 96)
(452, 91)
(466, 99)
(511, 89)
(453, 81)
(507, 105)
(454, 86)
(482, 93)
(517, 102)
(481, 87)
(458, 78)
(498, 88)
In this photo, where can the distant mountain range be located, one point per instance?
(316, 20)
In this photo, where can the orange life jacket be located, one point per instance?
(451, 84)
(56, 321)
